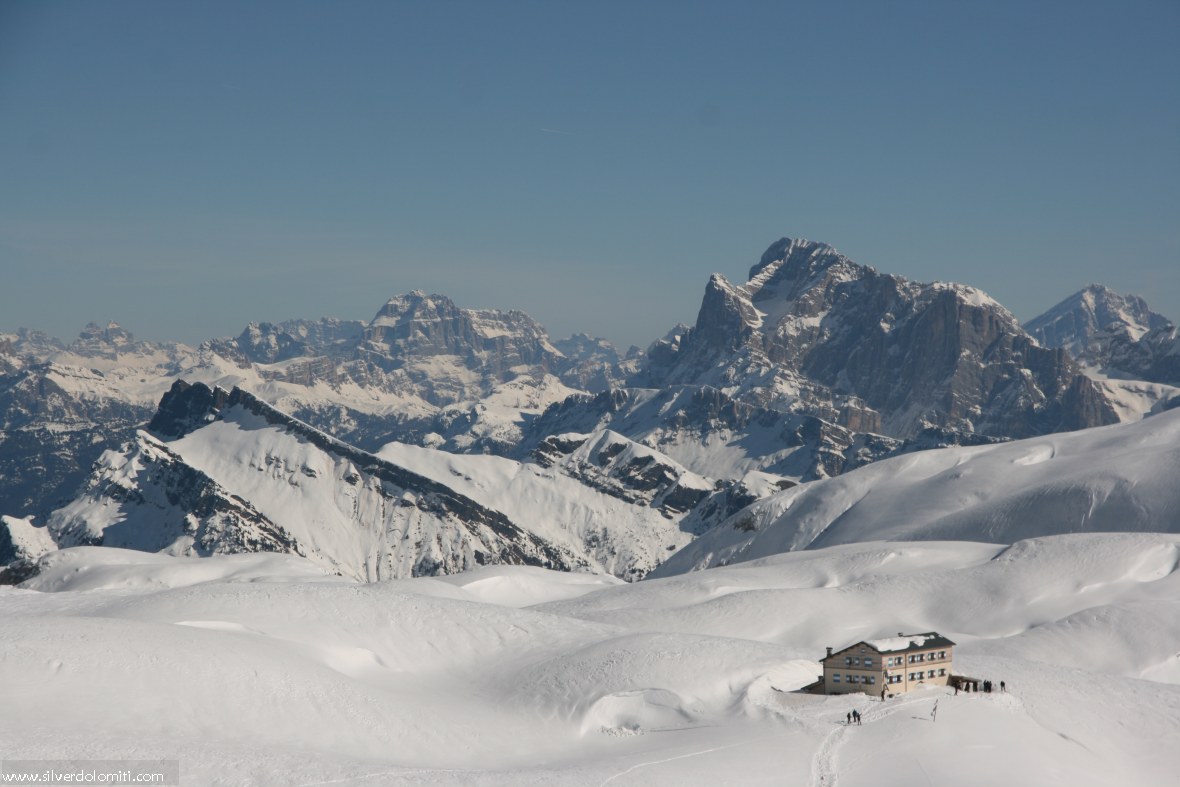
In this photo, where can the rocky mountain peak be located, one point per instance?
(1083, 322)
(111, 333)
(185, 407)
(727, 317)
(793, 264)
(813, 332)
(105, 341)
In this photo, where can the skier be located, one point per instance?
(934, 712)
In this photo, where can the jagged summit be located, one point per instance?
(1079, 322)
(1115, 335)
(814, 332)
(111, 333)
(793, 258)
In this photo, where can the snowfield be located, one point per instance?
(261, 669)
(1107, 479)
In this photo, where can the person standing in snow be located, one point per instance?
(856, 715)
(1003, 686)
(934, 712)
(848, 718)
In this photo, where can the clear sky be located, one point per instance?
(185, 168)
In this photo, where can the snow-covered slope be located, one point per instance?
(253, 670)
(225, 472)
(592, 506)
(1113, 478)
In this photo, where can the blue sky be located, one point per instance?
(184, 168)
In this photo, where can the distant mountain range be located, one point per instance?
(814, 367)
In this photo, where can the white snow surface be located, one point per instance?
(618, 537)
(29, 541)
(257, 669)
(890, 644)
(1114, 478)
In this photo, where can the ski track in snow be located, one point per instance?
(650, 763)
(825, 764)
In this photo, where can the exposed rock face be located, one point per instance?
(1115, 334)
(415, 328)
(811, 332)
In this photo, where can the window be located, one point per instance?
(835, 677)
(930, 674)
(848, 660)
(868, 662)
(872, 679)
(913, 658)
(941, 672)
(851, 678)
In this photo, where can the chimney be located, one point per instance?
(829, 650)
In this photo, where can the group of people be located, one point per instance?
(988, 686)
(853, 717)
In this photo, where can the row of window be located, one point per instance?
(872, 679)
(897, 661)
(919, 675)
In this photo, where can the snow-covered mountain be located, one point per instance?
(1117, 335)
(1109, 479)
(61, 407)
(222, 472)
(816, 365)
(423, 370)
(1081, 322)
